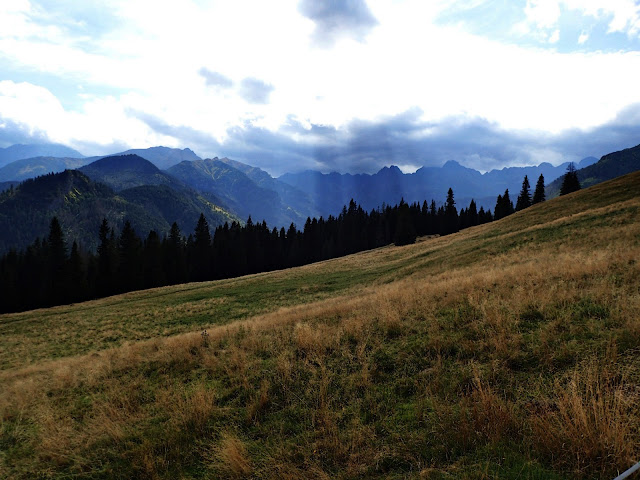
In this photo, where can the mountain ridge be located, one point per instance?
(331, 190)
(22, 151)
(127, 171)
(81, 203)
(609, 166)
(241, 194)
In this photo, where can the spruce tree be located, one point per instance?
(57, 246)
(472, 214)
(524, 199)
(200, 255)
(538, 195)
(504, 206)
(508, 204)
(498, 208)
(450, 214)
(79, 287)
(405, 232)
(130, 268)
(154, 275)
(57, 285)
(175, 258)
(570, 182)
(107, 259)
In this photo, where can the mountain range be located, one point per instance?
(81, 203)
(48, 160)
(240, 193)
(330, 192)
(610, 166)
(20, 152)
(133, 185)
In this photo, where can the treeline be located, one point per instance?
(49, 273)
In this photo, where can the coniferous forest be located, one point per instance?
(50, 272)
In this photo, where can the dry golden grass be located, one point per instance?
(232, 455)
(498, 352)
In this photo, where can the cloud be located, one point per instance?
(405, 139)
(184, 136)
(338, 18)
(622, 16)
(255, 91)
(12, 133)
(543, 13)
(584, 36)
(215, 79)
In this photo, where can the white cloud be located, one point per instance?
(154, 64)
(102, 121)
(555, 36)
(621, 15)
(543, 13)
(584, 36)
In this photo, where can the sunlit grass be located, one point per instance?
(508, 350)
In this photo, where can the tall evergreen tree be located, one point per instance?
(200, 255)
(498, 208)
(570, 182)
(57, 245)
(57, 284)
(107, 259)
(508, 204)
(538, 195)
(472, 213)
(450, 214)
(504, 206)
(78, 288)
(524, 199)
(405, 233)
(130, 272)
(174, 256)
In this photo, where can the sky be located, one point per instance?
(348, 86)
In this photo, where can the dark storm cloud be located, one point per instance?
(12, 133)
(367, 146)
(205, 144)
(255, 91)
(215, 79)
(338, 18)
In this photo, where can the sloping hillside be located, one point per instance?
(610, 166)
(34, 167)
(80, 205)
(163, 157)
(507, 350)
(297, 202)
(127, 171)
(241, 194)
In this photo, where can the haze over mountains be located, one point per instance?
(331, 191)
(19, 152)
(47, 159)
(155, 187)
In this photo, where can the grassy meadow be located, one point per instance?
(509, 350)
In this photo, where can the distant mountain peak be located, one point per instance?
(129, 161)
(163, 157)
(585, 162)
(451, 164)
(390, 170)
(20, 152)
